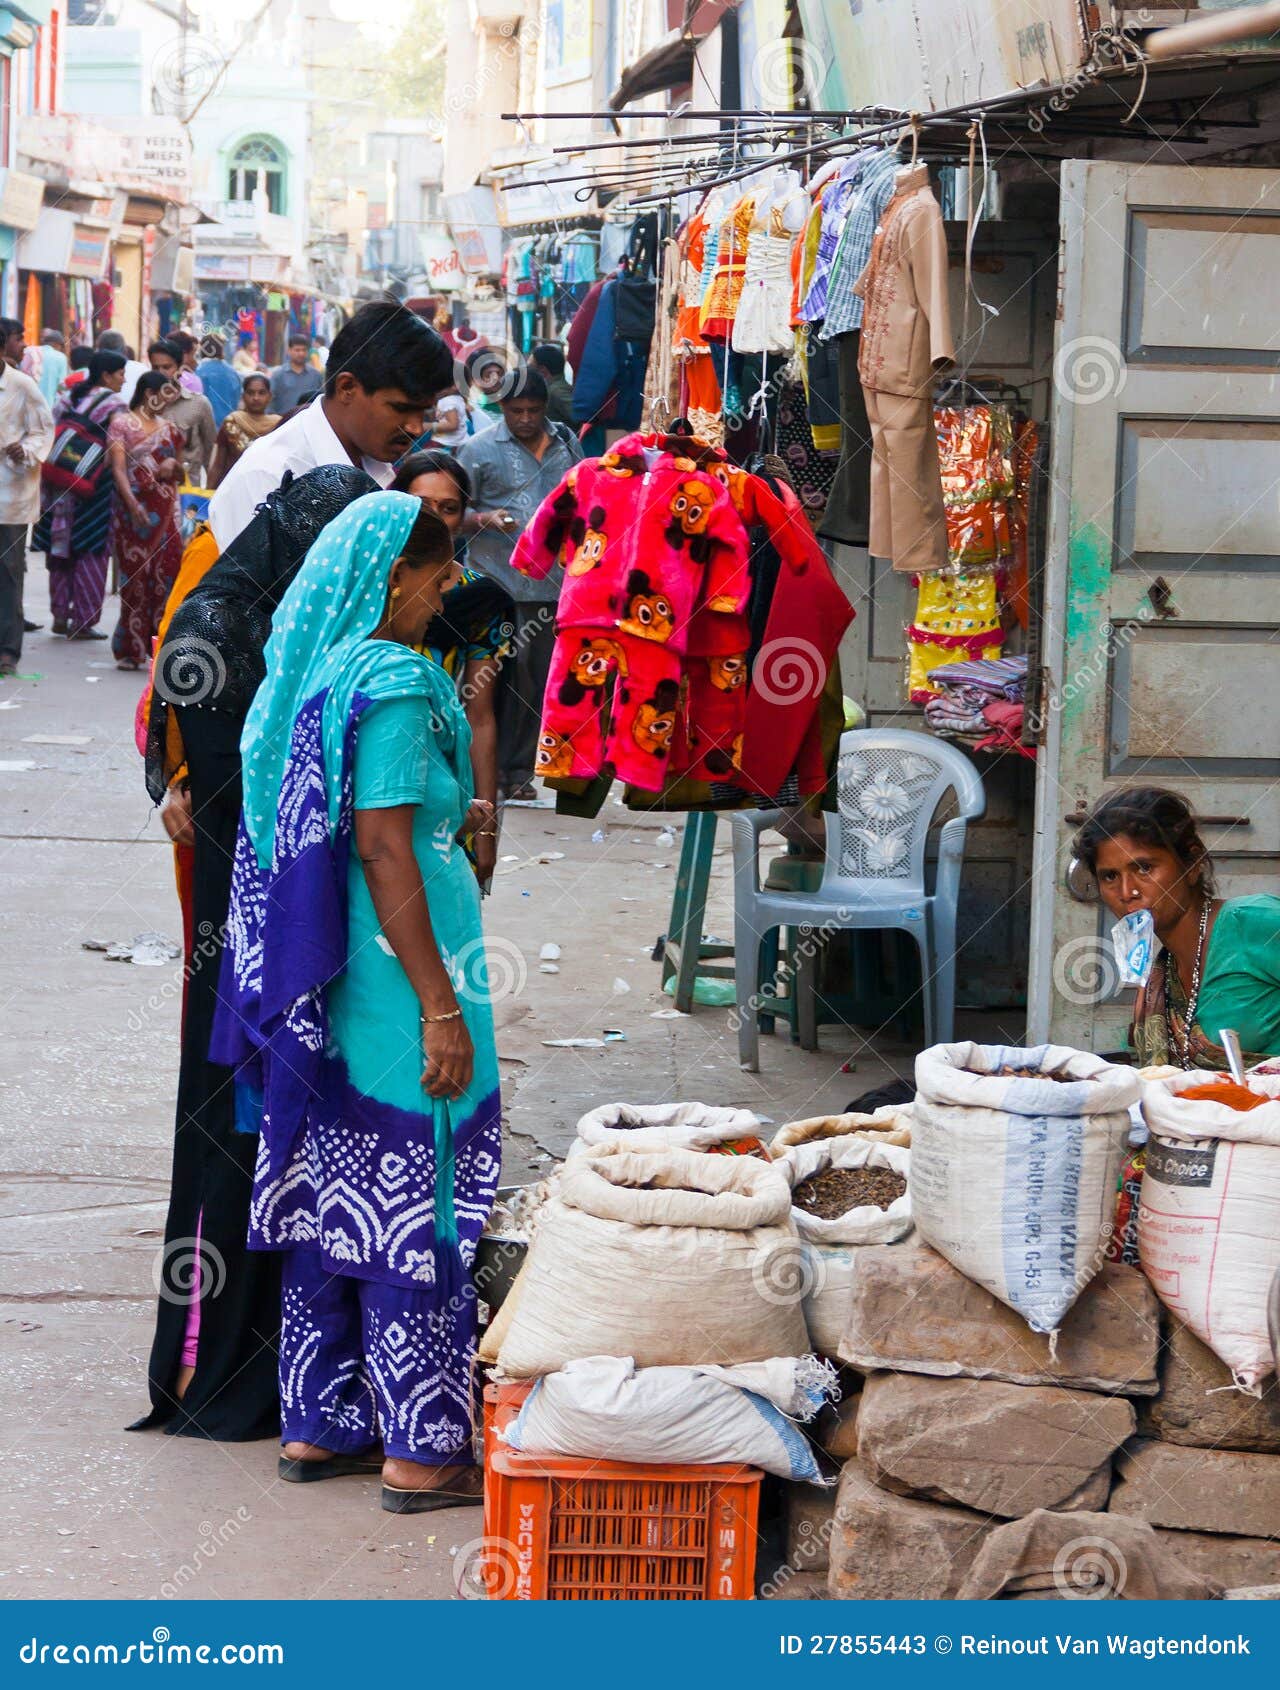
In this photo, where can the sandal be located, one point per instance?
(525, 794)
(429, 1499)
(298, 1471)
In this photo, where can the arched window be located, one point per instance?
(258, 162)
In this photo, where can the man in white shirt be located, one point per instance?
(385, 368)
(26, 435)
(111, 340)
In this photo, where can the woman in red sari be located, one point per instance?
(146, 462)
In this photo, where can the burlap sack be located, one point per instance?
(669, 1256)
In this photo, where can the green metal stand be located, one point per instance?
(684, 954)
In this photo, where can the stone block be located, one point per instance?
(892, 1548)
(1197, 1404)
(838, 1434)
(810, 1524)
(1232, 1561)
(997, 1448)
(912, 1312)
(1199, 1490)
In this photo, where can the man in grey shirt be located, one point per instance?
(295, 382)
(513, 466)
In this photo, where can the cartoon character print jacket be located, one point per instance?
(651, 674)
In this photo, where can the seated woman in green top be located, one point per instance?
(1220, 962)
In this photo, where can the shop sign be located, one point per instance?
(567, 41)
(221, 267)
(441, 260)
(156, 155)
(21, 197)
(923, 55)
(534, 196)
(88, 251)
(473, 223)
(78, 148)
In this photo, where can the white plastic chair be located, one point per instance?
(889, 785)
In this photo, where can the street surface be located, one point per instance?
(86, 1111)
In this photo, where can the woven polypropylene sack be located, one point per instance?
(673, 1257)
(1014, 1179)
(1209, 1217)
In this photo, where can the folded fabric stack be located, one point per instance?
(980, 702)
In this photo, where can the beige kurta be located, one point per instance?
(906, 340)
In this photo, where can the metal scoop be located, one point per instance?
(1230, 1041)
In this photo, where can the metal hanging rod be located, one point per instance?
(709, 136)
(797, 117)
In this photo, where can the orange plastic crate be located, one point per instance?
(591, 1531)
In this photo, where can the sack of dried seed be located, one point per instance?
(846, 1192)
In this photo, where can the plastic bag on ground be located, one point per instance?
(1013, 1179)
(605, 1407)
(670, 1256)
(1209, 1217)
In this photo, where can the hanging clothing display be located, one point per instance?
(762, 322)
(975, 455)
(905, 341)
(720, 305)
(957, 616)
(651, 679)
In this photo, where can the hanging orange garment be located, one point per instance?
(198, 558)
(31, 324)
(688, 336)
(720, 306)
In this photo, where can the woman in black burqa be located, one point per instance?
(213, 1362)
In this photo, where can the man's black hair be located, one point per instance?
(166, 349)
(299, 339)
(386, 345)
(523, 384)
(550, 358)
(10, 325)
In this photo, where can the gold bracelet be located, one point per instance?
(485, 833)
(453, 1015)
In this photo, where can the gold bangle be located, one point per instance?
(453, 1015)
(485, 833)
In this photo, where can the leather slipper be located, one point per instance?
(397, 1501)
(300, 1472)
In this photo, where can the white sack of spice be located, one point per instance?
(673, 1257)
(665, 1126)
(1209, 1217)
(831, 1242)
(1015, 1158)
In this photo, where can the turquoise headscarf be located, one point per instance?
(320, 642)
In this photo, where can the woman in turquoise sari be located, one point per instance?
(355, 1006)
